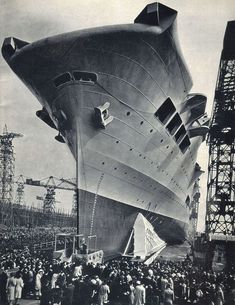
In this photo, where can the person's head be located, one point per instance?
(18, 274)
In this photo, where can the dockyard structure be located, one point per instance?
(7, 171)
(51, 184)
(19, 197)
(7, 165)
(29, 216)
(220, 220)
(221, 179)
(13, 209)
(194, 208)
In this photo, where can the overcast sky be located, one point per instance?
(201, 26)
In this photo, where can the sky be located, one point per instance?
(201, 27)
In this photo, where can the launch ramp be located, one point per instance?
(144, 243)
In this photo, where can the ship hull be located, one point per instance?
(113, 222)
(142, 160)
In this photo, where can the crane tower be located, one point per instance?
(221, 141)
(7, 166)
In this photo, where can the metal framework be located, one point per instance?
(194, 206)
(7, 170)
(19, 198)
(221, 168)
(7, 165)
(51, 185)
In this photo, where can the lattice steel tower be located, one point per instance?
(221, 169)
(7, 166)
(19, 199)
(49, 200)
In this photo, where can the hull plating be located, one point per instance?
(135, 164)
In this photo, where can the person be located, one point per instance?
(3, 286)
(199, 296)
(18, 287)
(219, 296)
(68, 293)
(231, 296)
(54, 279)
(84, 249)
(11, 284)
(103, 293)
(46, 289)
(168, 296)
(77, 270)
(38, 285)
(140, 295)
(131, 293)
(163, 284)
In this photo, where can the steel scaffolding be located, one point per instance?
(7, 170)
(19, 198)
(221, 168)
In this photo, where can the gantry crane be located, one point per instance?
(221, 141)
(220, 214)
(51, 184)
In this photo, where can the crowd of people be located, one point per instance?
(20, 237)
(35, 274)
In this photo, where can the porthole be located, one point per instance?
(103, 163)
(125, 173)
(115, 168)
(151, 130)
(117, 142)
(161, 140)
(167, 147)
(140, 155)
(142, 122)
(144, 157)
(131, 149)
(128, 113)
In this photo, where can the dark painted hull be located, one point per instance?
(113, 221)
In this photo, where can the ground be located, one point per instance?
(175, 253)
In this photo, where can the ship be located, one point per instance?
(120, 98)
